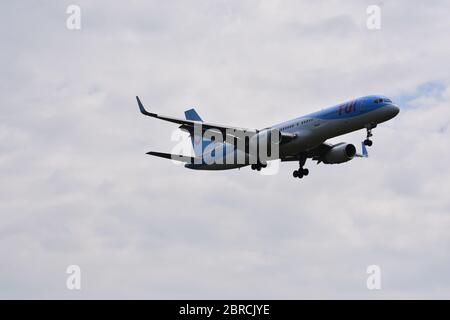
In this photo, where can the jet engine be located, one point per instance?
(340, 153)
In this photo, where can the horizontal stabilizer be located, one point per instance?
(176, 157)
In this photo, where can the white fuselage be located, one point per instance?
(313, 129)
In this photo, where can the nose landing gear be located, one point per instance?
(369, 128)
(301, 172)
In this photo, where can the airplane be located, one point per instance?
(299, 139)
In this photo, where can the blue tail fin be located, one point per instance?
(192, 115)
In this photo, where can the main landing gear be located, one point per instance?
(301, 172)
(258, 166)
(369, 128)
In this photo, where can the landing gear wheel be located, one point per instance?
(301, 172)
(258, 166)
(369, 128)
(298, 174)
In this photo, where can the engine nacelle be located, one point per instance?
(340, 153)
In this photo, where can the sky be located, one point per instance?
(78, 189)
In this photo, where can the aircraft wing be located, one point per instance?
(189, 124)
(318, 152)
(314, 153)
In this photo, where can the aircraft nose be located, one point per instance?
(394, 110)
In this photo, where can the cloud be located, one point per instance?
(78, 188)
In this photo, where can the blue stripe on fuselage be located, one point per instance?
(348, 109)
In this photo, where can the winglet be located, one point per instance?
(364, 154)
(143, 111)
(364, 150)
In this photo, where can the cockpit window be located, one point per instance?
(383, 100)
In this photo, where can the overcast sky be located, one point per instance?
(77, 187)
